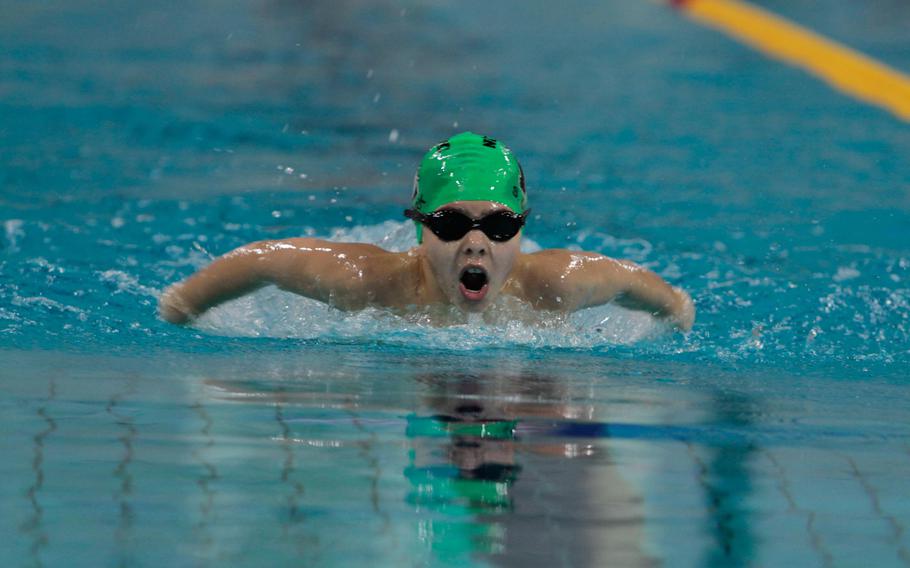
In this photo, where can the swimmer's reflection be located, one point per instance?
(505, 466)
(476, 463)
(466, 454)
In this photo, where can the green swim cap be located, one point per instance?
(468, 167)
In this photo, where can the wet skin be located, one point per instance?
(353, 276)
(448, 261)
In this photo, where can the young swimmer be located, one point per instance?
(469, 205)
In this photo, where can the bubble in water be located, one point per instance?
(12, 230)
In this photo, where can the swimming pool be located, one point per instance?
(136, 141)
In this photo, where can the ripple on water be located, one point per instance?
(819, 309)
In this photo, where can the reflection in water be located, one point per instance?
(306, 544)
(297, 491)
(495, 470)
(501, 466)
(894, 525)
(366, 450)
(122, 472)
(34, 527)
(815, 539)
(205, 480)
(726, 480)
(462, 464)
(505, 466)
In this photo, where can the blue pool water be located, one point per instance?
(139, 140)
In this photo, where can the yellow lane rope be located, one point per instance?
(847, 70)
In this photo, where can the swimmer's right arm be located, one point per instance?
(335, 273)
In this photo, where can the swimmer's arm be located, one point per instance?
(335, 273)
(580, 280)
(227, 277)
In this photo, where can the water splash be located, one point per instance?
(93, 283)
(12, 232)
(277, 314)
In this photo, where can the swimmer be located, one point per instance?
(469, 205)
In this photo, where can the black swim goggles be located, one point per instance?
(451, 224)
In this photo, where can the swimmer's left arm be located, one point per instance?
(577, 280)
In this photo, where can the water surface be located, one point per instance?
(138, 141)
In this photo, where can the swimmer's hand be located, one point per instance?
(683, 312)
(668, 303)
(173, 308)
(230, 276)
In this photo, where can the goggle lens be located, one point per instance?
(451, 225)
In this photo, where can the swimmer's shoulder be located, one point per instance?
(537, 278)
(327, 258)
(308, 244)
(548, 278)
(355, 275)
(302, 247)
(550, 263)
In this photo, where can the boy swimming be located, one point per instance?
(469, 205)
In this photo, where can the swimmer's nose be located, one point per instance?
(474, 244)
(480, 250)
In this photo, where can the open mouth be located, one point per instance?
(474, 283)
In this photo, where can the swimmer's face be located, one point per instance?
(472, 270)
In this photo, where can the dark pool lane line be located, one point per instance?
(708, 434)
(704, 434)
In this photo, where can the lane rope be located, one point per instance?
(846, 69)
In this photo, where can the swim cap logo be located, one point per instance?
(489, 142)
(417, 200)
